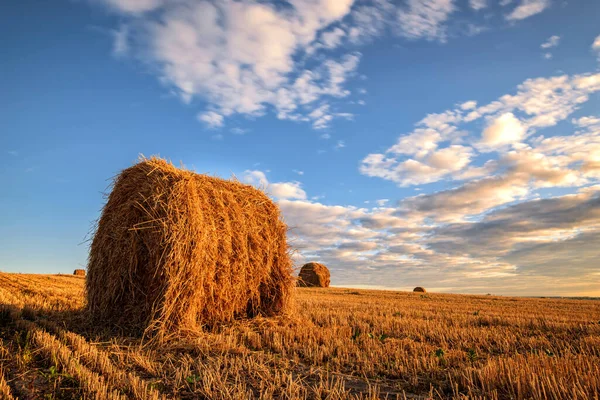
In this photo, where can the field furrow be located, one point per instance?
(99, 361)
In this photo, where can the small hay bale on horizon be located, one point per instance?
(175, 250)
(314, 274)
(420, 289)
(79, 272)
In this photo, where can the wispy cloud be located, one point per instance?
(223, 53)
(596, 46)
(551, 42)
(121, 41)
(211, 118)
(478, 4)
(425, 19)
(238, 131)
(468, 105)
(279, 190)
(588, 121)
(528, 8)
(135, 6)
(419, 157)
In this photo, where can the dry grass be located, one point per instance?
(314, 274)
(342, 344)
(5, 391)
(175, 250)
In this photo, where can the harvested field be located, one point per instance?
(341, 344)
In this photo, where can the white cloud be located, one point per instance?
(211, 118)
(548, 44)
(255, 178)
(528, 8)
(279, 190)
(428, 167)
(506, 129)
(586, 121)
(523, 159)
(287, 190)
(551, 42)
(425, 19)
(452, 158)
(478, 4)
(340, 145)
(369, 19)
(468, 105)
(321, 117)
(588, 83)
(420, 142)
(333, 38)
(545, 101)
(596, 44)
(135, 6)
(382, 202)
(224, 53)
(577, 156)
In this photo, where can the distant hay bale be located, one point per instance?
(420, 289)
(175, 250)
(314, 274)
(79, 272)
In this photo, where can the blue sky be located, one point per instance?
(443, 143)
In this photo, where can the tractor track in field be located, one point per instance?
(60, 363)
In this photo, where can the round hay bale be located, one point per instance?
(420, 289)
(314, 275)
(175, 250)
(79, 272)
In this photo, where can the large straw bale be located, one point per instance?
(175, 250)
(314, 274)
(420, 289)
(79, 272)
